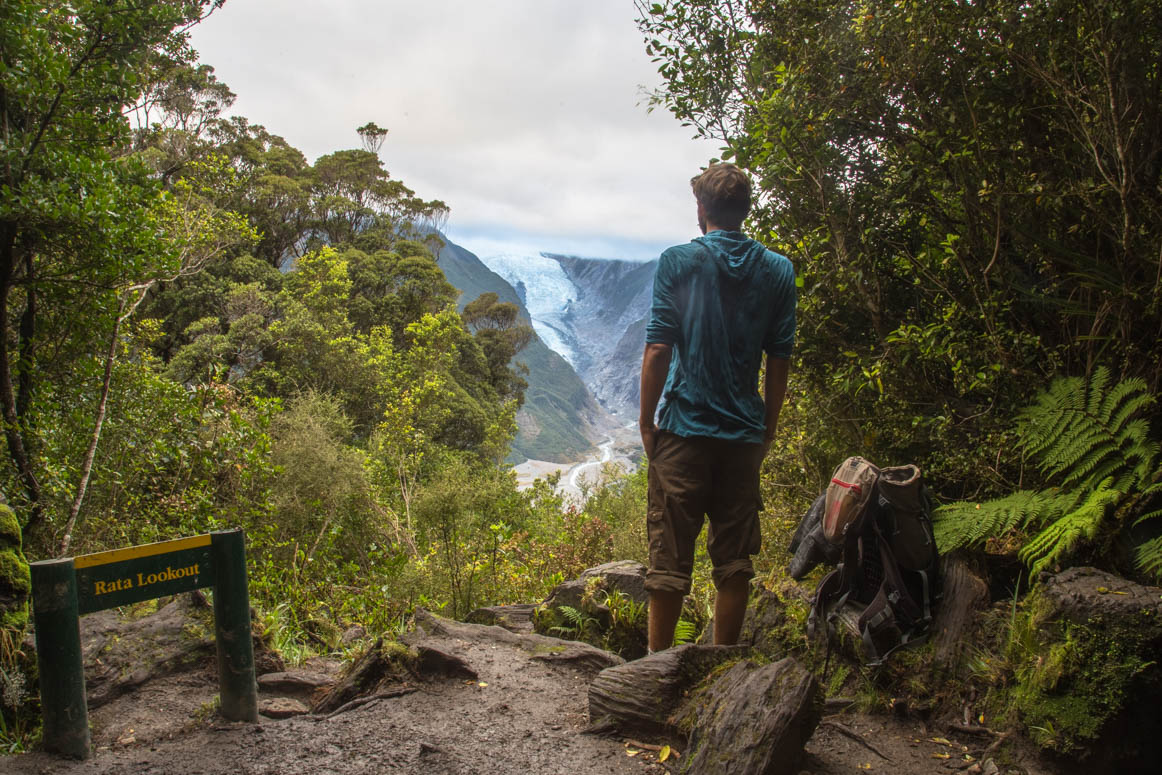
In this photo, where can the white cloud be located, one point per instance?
(525, 116)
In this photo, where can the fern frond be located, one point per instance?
(685, 632)
(1095, 463)
(968, 524)
(1149, 557)
(1095, 391)
(1042, 424)
(1126, 399)
(1147, 517)
(574, 616)
(1064, 534)
(1085, 433)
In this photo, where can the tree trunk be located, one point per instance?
(13, 422)
(91, 452)
(965, 592)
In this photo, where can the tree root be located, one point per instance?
(856, 736)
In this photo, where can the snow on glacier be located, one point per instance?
(548, 296)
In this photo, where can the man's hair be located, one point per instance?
(724, 191)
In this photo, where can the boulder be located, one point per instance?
(642, 695)
(542, 648)
(120, 655)
(769, 627)
(1086, 595)
(1093, 672)
(581, 608)
(752, 719)
(625, 576)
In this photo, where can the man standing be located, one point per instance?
(719, 303)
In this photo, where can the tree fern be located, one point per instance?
(1067, 532)
(1093, 441)
(1085, 433)
(971, 524)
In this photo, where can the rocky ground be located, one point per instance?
(525, 712)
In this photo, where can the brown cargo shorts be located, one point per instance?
(690, 478)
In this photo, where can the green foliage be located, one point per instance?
(577, 625)
(685, 632)
(19, 709)
(1083, 432)
(15, 576)
(972, 524)
(1093, 440)
(84, 227)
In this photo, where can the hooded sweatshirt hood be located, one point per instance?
(736, 255)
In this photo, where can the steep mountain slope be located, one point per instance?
(607, 321)
(559, 413)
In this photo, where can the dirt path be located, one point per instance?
(523, 715)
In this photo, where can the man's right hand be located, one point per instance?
(649, 438)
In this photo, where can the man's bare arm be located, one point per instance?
(774, 392)
(655, 368)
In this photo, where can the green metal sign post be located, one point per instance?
(63, 590)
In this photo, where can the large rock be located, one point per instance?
(625, 576)
(1085, 595)
(643, 695)
(582, 656)
(753, 719)
(1089, 686)
(585, 608)
(769, 627)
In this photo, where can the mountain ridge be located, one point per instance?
(609, 318)
(560, 419)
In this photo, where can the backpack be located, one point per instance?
(875, 525)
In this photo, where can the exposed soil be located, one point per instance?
(523, 715)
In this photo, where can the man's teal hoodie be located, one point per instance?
(720, 302)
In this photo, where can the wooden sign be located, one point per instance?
(125, 576)
(63, 590)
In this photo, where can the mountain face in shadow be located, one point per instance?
(606, 324)
(560, 419)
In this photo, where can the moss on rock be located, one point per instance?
(9, 527)
(15, 577)
(1079, 681)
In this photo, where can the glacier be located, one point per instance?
(590, 311)
(548, 296)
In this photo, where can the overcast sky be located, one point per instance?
(527, 117)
